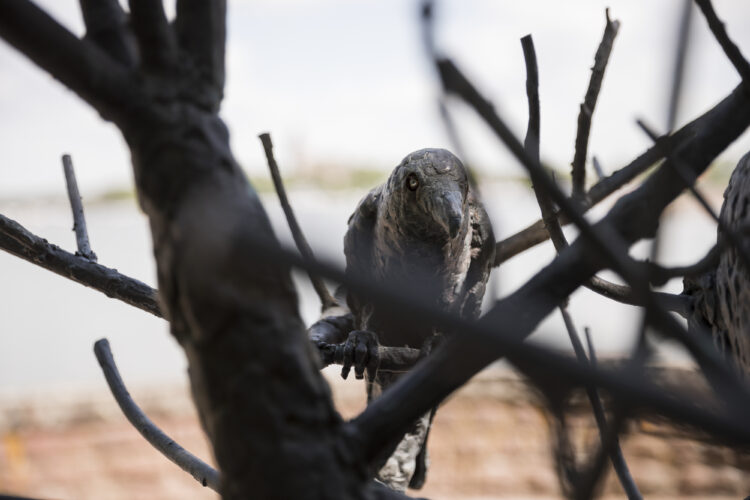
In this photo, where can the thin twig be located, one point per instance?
(678, 71)
(659, 275)
(326, 299)
(589, 103)
(19, 241)
(531, 143)
(616, 456)
(730, 49)
(79, 220)
(536, 233)
(201, 471)
(588, 483)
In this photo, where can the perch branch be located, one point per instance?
(730, 49)
(326, 300)
(589, 103)
(201, 471)
(392, 359)
(79, 220)
(19, 241)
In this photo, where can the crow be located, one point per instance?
(425, 231)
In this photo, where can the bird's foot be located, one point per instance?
(361, 351)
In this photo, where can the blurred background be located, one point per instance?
(346, 90)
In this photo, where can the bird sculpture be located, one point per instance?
(732, 278)
(423, 231)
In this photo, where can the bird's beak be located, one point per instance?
(451, 212)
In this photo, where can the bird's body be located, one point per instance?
(425, 232)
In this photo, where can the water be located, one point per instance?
(48, 324)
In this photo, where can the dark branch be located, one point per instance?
(20, 242)
(615, 455)
(79, 220)
(79, 65)
(678, 71)
(156, 40)
(659, 275)
(730, 49)
(536, 233)
(107, 27)
(610, 290)
(531, 143)
(201, 471)
(392, 359)
(589, 103)
(326, 299)
(201, 32)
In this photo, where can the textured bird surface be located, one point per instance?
(732, 279)
(423, 231)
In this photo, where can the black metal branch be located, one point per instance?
(730, 49)
(80, 65)
(200, 470)
(326, 299)
(532, 140)
(615, 455)
(536, 233)
(599, 285)
(392, 359)
(678, 71)
(79, 219)
(589, 103)
(689, 181)
(601, 240)
(19, 241)
(659, 275)
(588, 482)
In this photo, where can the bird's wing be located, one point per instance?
(358, 245)
(482, 257)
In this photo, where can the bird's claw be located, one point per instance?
(361, 351)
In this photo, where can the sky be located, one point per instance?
(343, 84)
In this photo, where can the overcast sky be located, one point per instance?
(346, 83)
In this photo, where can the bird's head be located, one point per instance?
(426, 195)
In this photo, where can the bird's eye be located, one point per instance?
(412, 182)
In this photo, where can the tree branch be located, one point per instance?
(589, 103)
(19, 241)
(326, 299)
(536, 233)
(730, 49)
(201, 471)
(615, 451)
(79, 65)
(79, 220)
